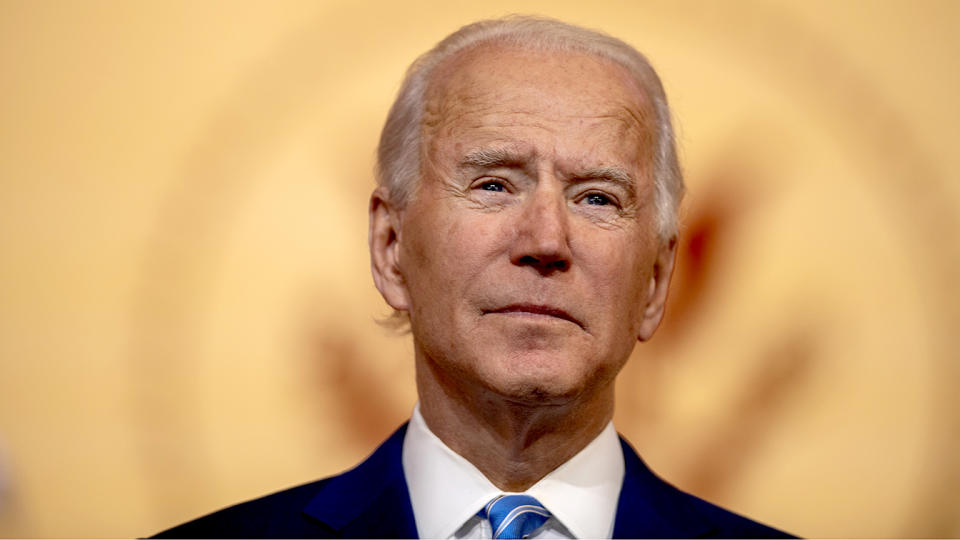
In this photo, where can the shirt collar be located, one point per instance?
(446, 490)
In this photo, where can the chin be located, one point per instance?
(540, 379)
(535, 394)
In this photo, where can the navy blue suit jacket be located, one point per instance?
(372, 501)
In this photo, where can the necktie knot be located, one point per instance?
(515, 516)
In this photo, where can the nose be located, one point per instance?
(542, 234)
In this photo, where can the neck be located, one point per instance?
(513, 443)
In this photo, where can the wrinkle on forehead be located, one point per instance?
(460, 94)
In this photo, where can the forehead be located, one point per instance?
(495, 91)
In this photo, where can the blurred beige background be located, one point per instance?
(186, 313)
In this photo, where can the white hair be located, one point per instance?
(398, 155)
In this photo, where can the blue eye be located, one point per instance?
(492, 186)
(597, 199)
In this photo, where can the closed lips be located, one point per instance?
(536, 309)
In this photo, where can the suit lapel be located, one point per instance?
(370, 500)
(651, 508)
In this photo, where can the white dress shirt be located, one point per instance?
(447, 491)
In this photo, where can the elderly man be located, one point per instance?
(525, 226)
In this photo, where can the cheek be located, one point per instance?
(621, 278)
(443, 255)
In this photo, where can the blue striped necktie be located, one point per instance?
(514, 516)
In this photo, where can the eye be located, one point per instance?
(598, 199)
(490, 184)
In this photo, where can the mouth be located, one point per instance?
(535, 310)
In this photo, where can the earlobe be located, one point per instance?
(659, 286)
(384, 240)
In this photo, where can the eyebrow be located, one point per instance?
(491, 158)
(488, 158)
(614, 175)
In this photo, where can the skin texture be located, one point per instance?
(528, 260)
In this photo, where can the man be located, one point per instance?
(525, 224)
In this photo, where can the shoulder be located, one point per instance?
(651, 507)
(368, 500)
(277, 515)
(723, 523)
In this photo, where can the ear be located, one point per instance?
(659, 285)
(385, 250)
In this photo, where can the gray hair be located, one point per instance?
(398, 155)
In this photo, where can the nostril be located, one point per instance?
(545, 265)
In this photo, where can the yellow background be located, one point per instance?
(186, 313)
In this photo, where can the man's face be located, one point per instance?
(529, 257)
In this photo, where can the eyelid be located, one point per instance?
(614, 199)
(486, 179)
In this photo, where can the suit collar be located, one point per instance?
(652, 508)
(370, 500)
